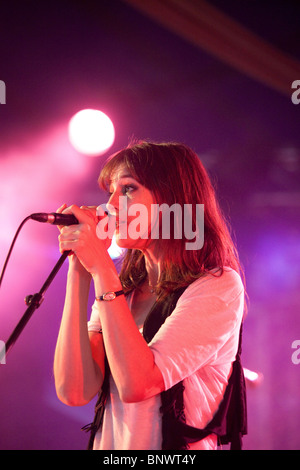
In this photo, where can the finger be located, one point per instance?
(84, 214)
(61, 208)
(89, 211)
(59, 211)
(69, 233)
(68, 236)
(68, 245)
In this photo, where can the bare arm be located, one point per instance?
(131, 361)
(79, 356)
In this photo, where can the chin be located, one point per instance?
(129, 243)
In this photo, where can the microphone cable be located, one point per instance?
(11, 248)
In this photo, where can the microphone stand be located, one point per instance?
(33, 302)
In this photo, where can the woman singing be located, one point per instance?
(170, 317)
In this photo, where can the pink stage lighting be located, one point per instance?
(91, 132)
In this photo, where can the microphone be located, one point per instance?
(58, 219)
(55, 218)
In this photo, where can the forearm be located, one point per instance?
(78, 376)
(131, 360)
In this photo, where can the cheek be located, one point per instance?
(141, 208)
(150, 208)
(128, 243)
(135, 227)
(136, 233)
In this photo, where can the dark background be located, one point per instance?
(61, 56)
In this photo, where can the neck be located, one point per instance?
(152, 267)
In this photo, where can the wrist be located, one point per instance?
(109, 282)
(78, 273)
(109, 296)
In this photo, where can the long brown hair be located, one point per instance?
(174, 174)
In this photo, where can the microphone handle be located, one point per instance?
(62, 219)
(55, 218)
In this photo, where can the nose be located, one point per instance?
(117, 205)
(112, 204)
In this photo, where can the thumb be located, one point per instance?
(60, 211)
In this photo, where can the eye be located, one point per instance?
(127, 189)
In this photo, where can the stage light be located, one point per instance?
(91, 132)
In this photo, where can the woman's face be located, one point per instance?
(131, 204)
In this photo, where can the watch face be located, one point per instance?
(109, 296)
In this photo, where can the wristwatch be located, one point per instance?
(110, 295)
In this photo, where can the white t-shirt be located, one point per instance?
(196, 344)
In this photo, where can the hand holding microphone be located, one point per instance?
(78, 233)
(72, 217)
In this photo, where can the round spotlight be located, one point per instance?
(91, 132)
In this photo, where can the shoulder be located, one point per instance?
(226, 286)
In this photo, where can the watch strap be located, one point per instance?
(108, 296)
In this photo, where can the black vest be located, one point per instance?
(230, 421)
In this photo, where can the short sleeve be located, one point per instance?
(94, 322)
(202, 330)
